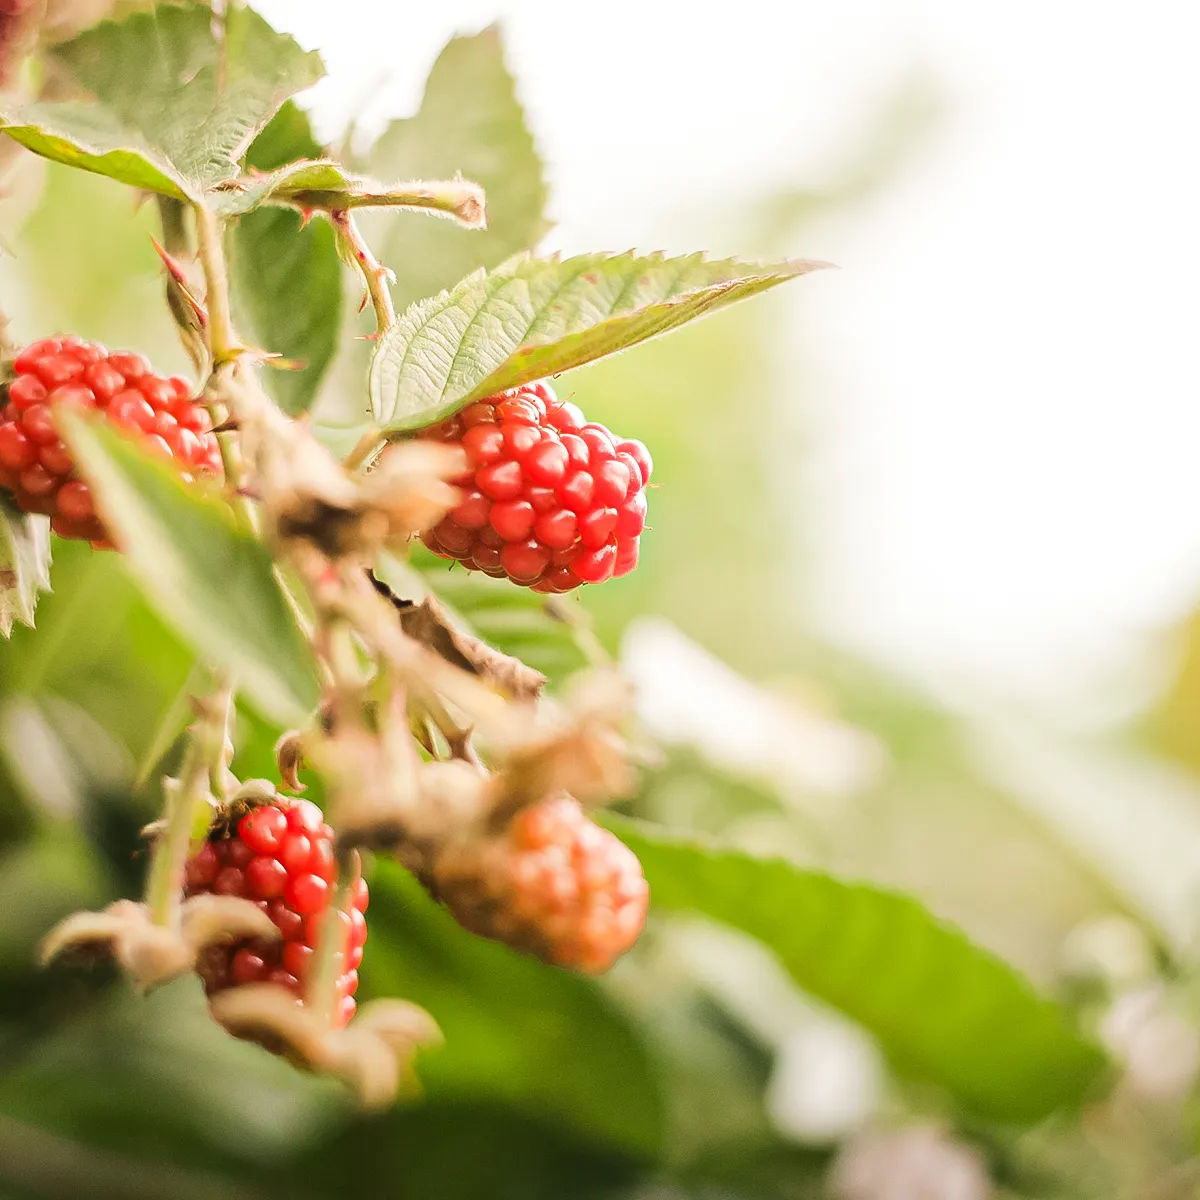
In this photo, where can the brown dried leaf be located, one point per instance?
(150, 954)
(430, 624)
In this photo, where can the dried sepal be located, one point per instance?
(207, 919)
(579, 750)
(289, 758)
(309, 498)
(373, 1054)
(149, 953)
(370, 774)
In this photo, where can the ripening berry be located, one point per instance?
(35, 464)
(550, 501)
(554, 884)
(280, 855)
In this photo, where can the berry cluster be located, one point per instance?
(550, 501)
(280, 855)
(554, 883)
(35, 464)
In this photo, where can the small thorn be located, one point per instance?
(230, 426)
(306, 215)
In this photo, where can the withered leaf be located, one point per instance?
(430, 624)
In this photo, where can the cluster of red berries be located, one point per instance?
(35, 464)
(549, 501)
(280, 855)
(554, 884)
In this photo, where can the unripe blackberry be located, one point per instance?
(35, 464)
(554, 884)
(550, 501)
(279, 855)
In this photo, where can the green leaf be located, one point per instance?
(176, 110)
(24, 564)
(470, 124)
(286, 275)
(943, 1009)
(512, 619)
(532, 318)
(208, 580)
(541, 1040)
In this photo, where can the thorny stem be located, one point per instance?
(374, 272)
(188, 796)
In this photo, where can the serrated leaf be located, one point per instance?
(24, 564)
(469, 124)
(532, 318)
(512, 619)
(176, 111)
(943, 1009)
(287, 279)
(207, 579)
(89, 138)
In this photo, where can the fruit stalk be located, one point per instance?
(188, 798)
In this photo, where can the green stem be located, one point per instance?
(374, 272)
(222, 341)
(187, 799)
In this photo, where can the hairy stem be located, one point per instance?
(222, 342)
(204, 763)
(374, 272)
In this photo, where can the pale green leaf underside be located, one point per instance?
(944, 1010)
(170, 116)
(24, 564)
(532, 318)
(211, 582)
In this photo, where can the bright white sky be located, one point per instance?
(1009, 364)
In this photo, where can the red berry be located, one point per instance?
(554, 884)
(545, 489)
(279, 855)
(36, 466)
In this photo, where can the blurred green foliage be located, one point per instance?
(655, 1083)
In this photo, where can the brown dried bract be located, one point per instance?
(430, 624)
(373, 1054)
(152, 954)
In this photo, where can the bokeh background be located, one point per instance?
(915, 607)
